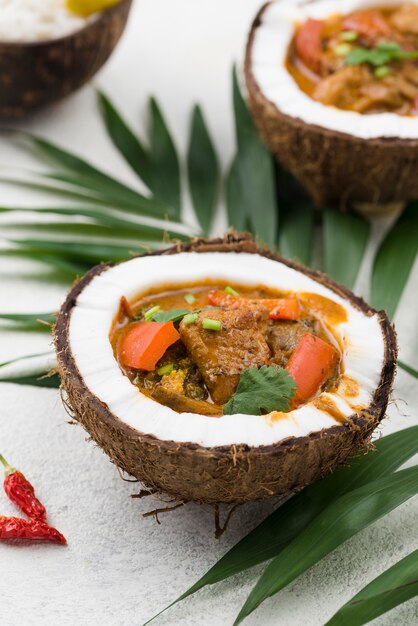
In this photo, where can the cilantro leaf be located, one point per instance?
(173, 315)
(384, 53)
(262, 391)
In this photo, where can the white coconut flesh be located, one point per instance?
(268, 55)
(97, 306)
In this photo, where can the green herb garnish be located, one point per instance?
(231, 292)
(209, 324)
(382, 71)
(189, 297)
(149, 315)
(165, 369)
(349, 36)
(262, 390)
(382, 54)
(342, 49)
(173, 315)
(190, 318)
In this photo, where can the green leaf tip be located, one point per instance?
(393, 587)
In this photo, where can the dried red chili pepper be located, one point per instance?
(22, 493)
(18, 528)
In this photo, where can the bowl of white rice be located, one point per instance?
(47, 50)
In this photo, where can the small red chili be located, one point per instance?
(22, 493)
(17, 528)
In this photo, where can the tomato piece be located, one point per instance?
(279, 308)
(220, 298)
(308, 44)
(285, 309)
(310, 365)
(370, 25)
(143, 344)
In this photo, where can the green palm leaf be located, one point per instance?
(71, 193)
(78, 172)
(64, 268)
(31, 370)
(407, 368)
(112, 231)
(235, 186)
(27, 361)
(280, 528)
(203, 171)
(396, 585)
(30, 321)
(338, 522)
(251, 182)
(394, 261)
(49, 382)
(165, 170)
(126, 141)
(88, 253)
(296, 232)
(345, 239)
(129, 200)
(103, 217)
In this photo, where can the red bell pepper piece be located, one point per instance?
(308, 44)
(143, 344)
(310, 365)
(370, 25)
(279, 308)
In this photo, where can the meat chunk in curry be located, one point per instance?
(222, 356)
(283, 337)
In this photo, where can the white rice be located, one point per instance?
(36, 20)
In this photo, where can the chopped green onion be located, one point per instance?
(190, 318)
(189, 297)
(349, 35)
(342, 50)
(231, 291)
(382, 71)
(209, 324)
(165, 369)
(148, 315)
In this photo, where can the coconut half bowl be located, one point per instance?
(342, 158)
(35, 74)
(232, 458)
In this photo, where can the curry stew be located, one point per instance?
(187, 345)
(365, 61)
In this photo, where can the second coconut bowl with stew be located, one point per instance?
(333, 88)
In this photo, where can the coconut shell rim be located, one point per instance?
(229, 243)
(252, 85)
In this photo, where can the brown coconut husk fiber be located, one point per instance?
(232, 474)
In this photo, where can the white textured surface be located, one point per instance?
(269, 51)
(119, 568)
(97, 306)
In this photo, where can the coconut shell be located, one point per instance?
(36, 74)
(237, 473)
(336, 169)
